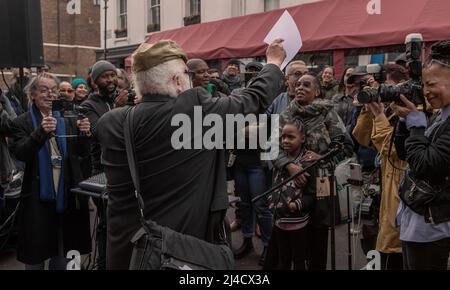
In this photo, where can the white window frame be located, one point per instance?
(121, 14)
(150, 8)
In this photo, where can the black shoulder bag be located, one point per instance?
(423, 198)
(158, 247)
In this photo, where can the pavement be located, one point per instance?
(250, 262)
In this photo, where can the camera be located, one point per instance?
(131, 97)
(412, 89)
(68, 109)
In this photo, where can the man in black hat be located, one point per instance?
(231, 75)
(104, 76)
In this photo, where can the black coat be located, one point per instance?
(96, 106)
(180, 187)
(39, 221)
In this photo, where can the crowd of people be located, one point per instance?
(187, 191)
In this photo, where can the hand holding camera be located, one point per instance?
(48, 124)
(404, 111)
(84, 126)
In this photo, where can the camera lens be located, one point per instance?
(368, 96)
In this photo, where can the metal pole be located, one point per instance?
(106, 14)
(349, 220)
(333, 218)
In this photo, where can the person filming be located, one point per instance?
(425, 226)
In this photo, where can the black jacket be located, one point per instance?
(429, 159)
(180, 187)
(39, 221)
(96, 106)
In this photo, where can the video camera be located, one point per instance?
(68, 109)
(412, 89)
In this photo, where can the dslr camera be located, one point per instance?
(412, 89)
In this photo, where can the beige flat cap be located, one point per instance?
(151, 55)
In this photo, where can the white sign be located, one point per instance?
(287, 29)
(74, 7)
(374, 7)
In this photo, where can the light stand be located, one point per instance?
(106, 21)
(332, 180)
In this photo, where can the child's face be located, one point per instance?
(291, 138)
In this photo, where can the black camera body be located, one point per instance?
(412, 89)
(68, 109)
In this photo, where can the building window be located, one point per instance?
(271, 4)
(193, 12)
(121, 30)
(153, 15)
(97, 2)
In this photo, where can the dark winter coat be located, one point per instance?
(39, 221)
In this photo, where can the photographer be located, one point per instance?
(381, 123)
(425, 226)
(52, 221)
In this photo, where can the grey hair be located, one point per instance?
(157, 80)
(33, 85)
(295, 62)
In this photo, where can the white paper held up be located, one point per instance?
(287, 29)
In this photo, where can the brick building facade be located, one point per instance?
(70, 41)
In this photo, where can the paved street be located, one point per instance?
(8, 257)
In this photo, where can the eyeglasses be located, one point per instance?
(47, 91)
(67, 91)
(297, 74)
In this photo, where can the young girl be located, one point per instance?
(291, 205)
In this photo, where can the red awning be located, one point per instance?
(324, 25)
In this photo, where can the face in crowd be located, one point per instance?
(81, 93)
(295, 72)
(66, 91)
(44, 94)
(107, 82)
(306, 90)
(215, 75)
(291, 138)
(201, 77)
(328, 75)
(233, 69)
(347, 75)
(436, 79)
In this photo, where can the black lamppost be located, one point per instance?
(106, 14)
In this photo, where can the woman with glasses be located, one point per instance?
(52, 220)
(425, 229)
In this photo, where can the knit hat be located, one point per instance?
(100, 67)
(255, 65)
(234, 61)
(148, 56)
(79, 81)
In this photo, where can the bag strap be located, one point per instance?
(134, 169)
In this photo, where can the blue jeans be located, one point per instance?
(250, 181)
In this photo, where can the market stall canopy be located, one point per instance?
(324, 25)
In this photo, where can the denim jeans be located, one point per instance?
(250, 181)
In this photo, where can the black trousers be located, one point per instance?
(318, 248)
(426, 256)
(391, 262)
(289, 248)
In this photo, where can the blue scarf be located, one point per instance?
(46, 184)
